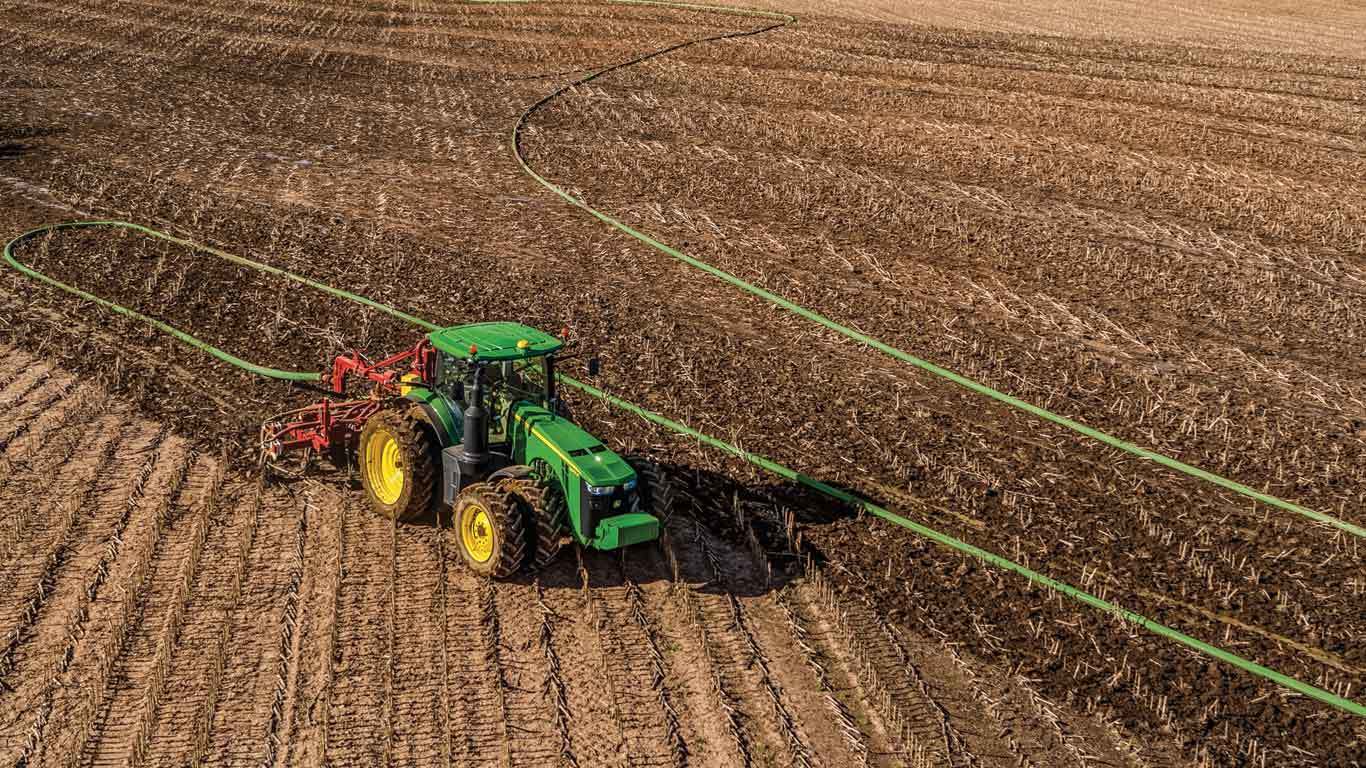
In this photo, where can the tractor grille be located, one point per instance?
(598, 508)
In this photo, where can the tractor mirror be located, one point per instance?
(594, 366)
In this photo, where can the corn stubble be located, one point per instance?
(1160, 240)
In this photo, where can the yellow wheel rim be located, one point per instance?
(383, 467)
(476, 533)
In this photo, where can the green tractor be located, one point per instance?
(470, 418)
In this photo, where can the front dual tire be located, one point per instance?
(506, 523)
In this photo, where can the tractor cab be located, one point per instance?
(514, 359)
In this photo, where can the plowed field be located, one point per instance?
(1150, 228)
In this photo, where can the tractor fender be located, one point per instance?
(511, 471)
(438, 413)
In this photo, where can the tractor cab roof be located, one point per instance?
(494, 342)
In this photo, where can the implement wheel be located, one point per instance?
(397, 465)
(489, 530)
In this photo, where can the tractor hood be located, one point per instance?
(584, 454)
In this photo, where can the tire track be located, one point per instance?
(192, 689)
(167, 631)
(359, 709)
(717, 693)
(14, 364)
(634, 666)
(564, 714)
(420, 728)
(286, 681)
(532, 739)
(856, 739)
(757, 717)
(480, 722)
(608, 745)
(691, 709)
(861, 716)
(307, 732)
(236, 725)
(919, 721)
(19, 388)
(47, 643)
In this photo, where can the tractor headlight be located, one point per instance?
(630, 485)
(601, 490)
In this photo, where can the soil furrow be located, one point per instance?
(1137, 220)
(287, 664)
(116, 738)
(304, 726)
(633, 663)
(357, 731)
(529, 710)
(481, 728)
(106, 613)
(241, 715)
(420, 727)
(191, 689)
(738, 682)
(48, 513)
(47, 644)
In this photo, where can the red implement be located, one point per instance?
(330, 424)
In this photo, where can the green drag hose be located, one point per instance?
(862, 338)
(197, 343)
(990, 558)
(1290, 683)
(200, 344)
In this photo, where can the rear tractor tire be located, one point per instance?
(397, 464)
(489, 529)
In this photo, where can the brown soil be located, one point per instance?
(1161, 241)
(166, 610)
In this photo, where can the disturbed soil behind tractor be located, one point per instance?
(1160, 240)
(163, 609)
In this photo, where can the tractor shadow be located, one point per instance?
(722, 536)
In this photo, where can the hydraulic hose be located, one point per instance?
(1290, 683)
(863, 338)
(943, 539)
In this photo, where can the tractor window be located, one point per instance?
(519, 380)
(450, 375)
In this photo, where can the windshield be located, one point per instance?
(517, 380)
